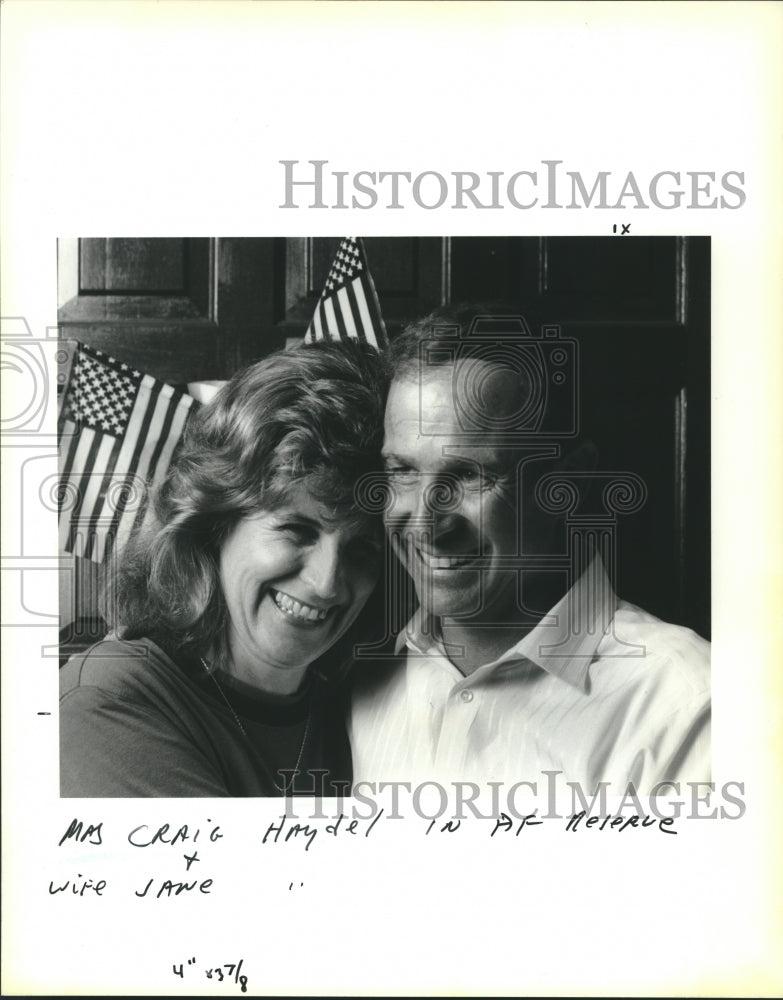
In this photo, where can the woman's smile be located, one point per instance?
(294, 579)
(298, 611)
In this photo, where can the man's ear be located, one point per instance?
(582, 456)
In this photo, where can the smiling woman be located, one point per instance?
(294, 579)
(234, 613)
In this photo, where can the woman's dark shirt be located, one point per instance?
(133, 723)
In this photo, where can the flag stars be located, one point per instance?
(102, 396)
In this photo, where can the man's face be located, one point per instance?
(454, 510)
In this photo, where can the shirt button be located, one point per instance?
(466, 696)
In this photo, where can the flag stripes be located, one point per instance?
(118, 433)
(348, 308)
(346, 311)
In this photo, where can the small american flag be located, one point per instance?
(118, 430)
(348, 308)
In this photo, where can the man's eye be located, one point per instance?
(483, 481)
(476, 479)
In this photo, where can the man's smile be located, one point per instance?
(458, 561)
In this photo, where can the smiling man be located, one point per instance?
(520, 658)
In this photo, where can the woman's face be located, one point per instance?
(294, 580)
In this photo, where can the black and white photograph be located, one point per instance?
(393, 613)
(517, 410)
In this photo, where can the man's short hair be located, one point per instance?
(496, 335)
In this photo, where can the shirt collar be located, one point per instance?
(563, 643)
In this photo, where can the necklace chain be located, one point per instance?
(287, 786)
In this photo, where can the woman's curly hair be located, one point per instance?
(311, 414)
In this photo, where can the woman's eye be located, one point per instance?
(301, 533)
(401, 474)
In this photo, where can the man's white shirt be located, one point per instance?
(599, 690)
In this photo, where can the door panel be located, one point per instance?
(599, 280)
(162, 267)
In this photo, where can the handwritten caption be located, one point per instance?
(190, 839)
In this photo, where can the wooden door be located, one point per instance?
(182, 310)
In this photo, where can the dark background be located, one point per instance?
(193, 309)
